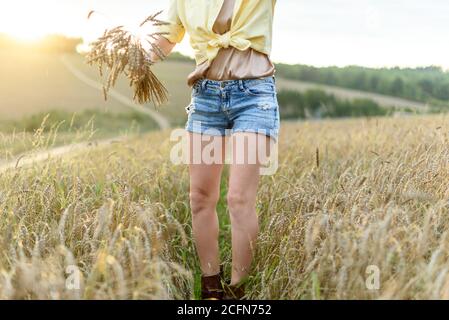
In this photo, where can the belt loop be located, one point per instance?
(274, 79)
(241, 85)
(204, 84)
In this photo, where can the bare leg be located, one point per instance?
(204, 195)
(243, 182)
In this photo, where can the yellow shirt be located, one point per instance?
(251, 26)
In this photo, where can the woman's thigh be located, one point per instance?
(249, 152)
(207, 157)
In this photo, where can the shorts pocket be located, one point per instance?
(259, 89)
(203, 104)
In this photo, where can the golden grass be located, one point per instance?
(377, 196)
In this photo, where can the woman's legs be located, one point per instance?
(204, 195)
(243, 183)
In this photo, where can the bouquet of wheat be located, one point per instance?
(121, 52)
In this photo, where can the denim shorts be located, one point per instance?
(224, 107)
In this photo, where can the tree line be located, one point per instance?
(317, 104)
(425, 84)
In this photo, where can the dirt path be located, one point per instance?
(29, 158)
(161, 121)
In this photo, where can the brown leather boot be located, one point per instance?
(211, 287)
(234, 292)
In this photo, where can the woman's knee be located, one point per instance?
(239, 202)
(242, 209)
(202, 200)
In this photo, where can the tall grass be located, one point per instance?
(377, 196)
(49, 129)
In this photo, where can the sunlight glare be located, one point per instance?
(25, 20)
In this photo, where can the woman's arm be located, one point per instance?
(173, 31)
(165, 45)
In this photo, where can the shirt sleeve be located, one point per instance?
(174, 29)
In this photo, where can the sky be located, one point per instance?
(374, 33)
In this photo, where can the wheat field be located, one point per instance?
(348, 194)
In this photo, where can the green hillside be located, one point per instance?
(38, 82)
(35, 82)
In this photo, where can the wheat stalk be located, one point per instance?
(120, 52)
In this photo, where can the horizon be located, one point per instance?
(365, 33)
(33, 42)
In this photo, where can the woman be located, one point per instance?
(233, 95)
